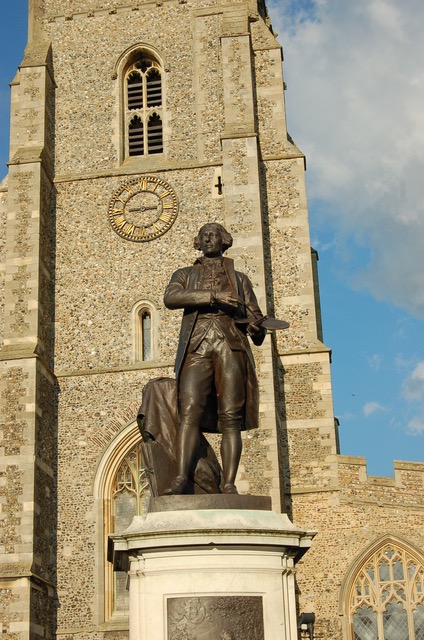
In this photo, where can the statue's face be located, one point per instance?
(210, 241)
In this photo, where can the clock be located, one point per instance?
(143, 209)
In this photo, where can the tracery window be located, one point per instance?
(129, 495)
(143, 106)
(387, 597)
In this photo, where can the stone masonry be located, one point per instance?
(69, 382)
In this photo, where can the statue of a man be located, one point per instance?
(214, 364)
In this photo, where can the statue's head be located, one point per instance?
(213, 230)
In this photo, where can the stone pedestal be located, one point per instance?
(211, 568)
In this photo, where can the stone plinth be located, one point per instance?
(211, 573)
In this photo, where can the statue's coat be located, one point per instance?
(183, 292)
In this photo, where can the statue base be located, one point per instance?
(212, 568)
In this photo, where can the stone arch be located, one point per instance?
(132, 136)
(389, 540)
(111, 430)
(137, 330)
(125, 436)
(129, 54)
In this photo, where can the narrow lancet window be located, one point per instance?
(143, 317)
(146, 335)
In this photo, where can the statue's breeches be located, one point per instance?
(213, 367)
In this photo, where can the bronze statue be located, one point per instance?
(159, 425)
(214, 365)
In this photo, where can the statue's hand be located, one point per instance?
(226, 298)
(255, 330)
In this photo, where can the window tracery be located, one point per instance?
(129, 495)
(143, 105)
(387, 597)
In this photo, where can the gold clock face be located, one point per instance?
(143, 209)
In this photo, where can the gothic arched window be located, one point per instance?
(143, 105)
(128, 497)
(386, 599)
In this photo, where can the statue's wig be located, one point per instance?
(227, 238)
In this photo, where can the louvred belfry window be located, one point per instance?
(154, 88)
(154, 134)
(136, 137)
(143, 93)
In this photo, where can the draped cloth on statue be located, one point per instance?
(158, 423)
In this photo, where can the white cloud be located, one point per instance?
(321, 246)
(416, 426)
(375, 361)
(413, 388)
(413, 391)
(355, 93)
(372, 407)
(401, 362)
(346, 417)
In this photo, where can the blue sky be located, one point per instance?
(354, 105)
(13, 37)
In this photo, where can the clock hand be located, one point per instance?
(142, 209)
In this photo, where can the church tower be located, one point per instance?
(133, 123)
